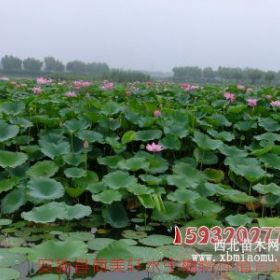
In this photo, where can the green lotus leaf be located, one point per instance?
(214, 175)
(269, 222)
(157, 164)
(8, 184)
(186, 176)
(13, 201)
(12, 159)
(269, 188)
(110, 161)
(147, 135)
(271, 160)
(91, 136)
(156, 240)
(232, 151)
(249, 168)
(173, 211)
(224, 135)
(12, 108)
(146, 254)
(76, 125)
(52, 211)
(151, 180)
(9, 274)
(269, 124)
(44, 168)
(8, 259)
(74, 158)
(205, 142)
(44, 189)
(238, 220)
(98, 244)
(107, 196)
(115, 250)
(50, 276)
(134, 164)
(111, 108)
(138, 189)
(171, 142)
(55, 250)
(46, 213)
(53, 150)
(76, 235)
(235, 275)
(208, 221)
(183, 196)
(12, 242)
(128, 137)
(218, 120)
(177, 253)
(75, 172)
(205, 157)
(87, 181)
(8, 131)
(205, 206)
(116, 215)
(5, 222)
(165, 277)
(76, 212)
(134, 234)
(119, 179)
(245, 125)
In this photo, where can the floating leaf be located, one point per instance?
(12, 159)
(69, 249)
(119, 179)
(44, 189)
(107, 196)
(238, 220)
(75, 172)
(44, 168)
(8, 131)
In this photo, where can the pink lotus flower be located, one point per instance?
(188, 87)
(108, 86)
(43, 81)
(252, 102)
(157, 113)
(154, 148)
(275, 103)
(70, 94)
(249, 90)
(229, 96)
(4, 79)
(37, 90)
(241, 87)
(80, 84)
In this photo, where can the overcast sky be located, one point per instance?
(145, 34)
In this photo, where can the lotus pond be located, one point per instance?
(101, 171)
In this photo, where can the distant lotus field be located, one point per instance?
(99, 169)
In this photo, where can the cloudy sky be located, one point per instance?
(145, 34)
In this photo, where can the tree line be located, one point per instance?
(225, 75)
(54, 67)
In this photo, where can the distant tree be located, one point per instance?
(208, 74)
(97, 69)
(76, 66)
(53, 65)
(32, 64)
(188, 73)
(254, 75)
(11, 63)
(269, 77)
